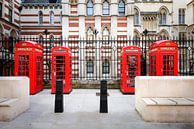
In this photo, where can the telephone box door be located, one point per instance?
(130, 68)
(168, 64)
(23, 65)
(61, 68)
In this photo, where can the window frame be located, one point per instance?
(10, 13)
(90, 67)
(163, 17)
(40, 17)
(181, 15)
(90, 7)
(106, 67)
(52, 17)
(121, 9)
(105, 8)
(136, 17)
(1, 9)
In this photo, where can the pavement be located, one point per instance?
(81, 111)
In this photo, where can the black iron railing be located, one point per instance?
(89, 56)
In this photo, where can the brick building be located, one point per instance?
(115, 18)
(9, 18)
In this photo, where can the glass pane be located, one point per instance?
(90, 67)
(90, 11)
(121, 7)
(105, 12)
(132, 66)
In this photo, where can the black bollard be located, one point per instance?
(103, 97)
(59, 96)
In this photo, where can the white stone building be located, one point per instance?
(116, 18)
(79, 18)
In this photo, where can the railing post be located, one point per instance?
(59, 96)
(103, 97)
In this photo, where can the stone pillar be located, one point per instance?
(82, 29)
(81, 7)
(65, 18)
(130, 15)
(65, 27)
(65, 7)
(82, 34)
(98, 8)
(114, 14)
(114, 8)
(98, 28)
(113, 30)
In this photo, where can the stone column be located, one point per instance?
(98, 8)
(114, 14)
(129, 11)
(65, 18)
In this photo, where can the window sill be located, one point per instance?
(163, 25)
(137, 25)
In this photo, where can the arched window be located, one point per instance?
(105, 32)
(90, 33)
(162, 17)
(40, 15)
(13, 34)
(52, 40)
(61, 17)
(163, 35)
(121, 7)
(1, 10)
(90, 67)
(1, 33)
(136, 34)
(105, 8)
(136, 17)
(106, 67)
(90, 8)
(41, 39)
(182, 16)
(52, 17)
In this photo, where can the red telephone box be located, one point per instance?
(164, 58)
(29, 62)
(130, 68)
(61, 68)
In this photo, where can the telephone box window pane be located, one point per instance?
(39, 70)
(60, 67)
(132, 66)
(168, 65)
(153, 65)
(23, 69)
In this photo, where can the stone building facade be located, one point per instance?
(79, 18)
(9, 18)
(115, 18)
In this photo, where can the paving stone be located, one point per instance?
(81, 111)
